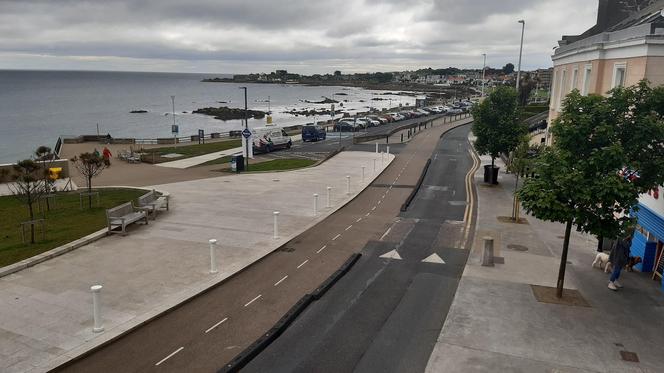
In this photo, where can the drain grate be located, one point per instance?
(517, 247)
(629, 356)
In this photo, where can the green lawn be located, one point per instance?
(65, 223)
(189, 151)
(281, 164)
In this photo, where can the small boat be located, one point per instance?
(140, 111)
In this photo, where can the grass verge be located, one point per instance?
(64, 223)
(281, 164)
(188, 151)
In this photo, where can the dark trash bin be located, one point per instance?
(237, 163)
(489, 176)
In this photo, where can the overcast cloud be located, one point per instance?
(305, 36)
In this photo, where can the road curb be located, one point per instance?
(416, 189)
(254, 349)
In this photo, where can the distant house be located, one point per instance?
(455, 80)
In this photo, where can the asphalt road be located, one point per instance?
(202, 335)
(386, 313)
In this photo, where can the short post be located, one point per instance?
(213, 256)
(329, 190)
(347, 184)
(374, 165)
(315, 204)
(362, 173)
(402, 137)
(376, 148)
(487, 256)
(96, 312)
(388, 151)
(276, 228)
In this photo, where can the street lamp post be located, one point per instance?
(246, 126)
(518, 73)
(483, 70)
(175, 140)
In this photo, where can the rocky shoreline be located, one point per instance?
(226, 113)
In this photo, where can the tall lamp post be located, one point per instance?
(175, 140)
(483, 70)
(518, 73)
(246, 126)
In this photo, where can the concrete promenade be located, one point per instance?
(46, 310)
(496, 324)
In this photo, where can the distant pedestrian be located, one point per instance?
(619, 258)
(108, 138)
(107, 156)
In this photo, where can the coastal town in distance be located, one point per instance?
(335, 186)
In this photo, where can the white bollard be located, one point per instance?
(315, 204)
(213, 256)
(362, 173)
(96, 312)
(376, 148)
(374, 165)
(329, 189)
(487, 255)
(347, 184)
(276, 227)
(388, 152)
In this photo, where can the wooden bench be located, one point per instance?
(151, 203)
(123, 215)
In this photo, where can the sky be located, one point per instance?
(302, 36)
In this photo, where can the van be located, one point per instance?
(267, 139)
(313, 133)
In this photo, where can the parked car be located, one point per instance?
(388, 118)
(267, 139)
(380, 120)
(313, 133)
(454, 110)
(371, 122)
(422, 112)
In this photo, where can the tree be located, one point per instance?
(496, 123)
(521, 161)
(606, 152)
(337, 74)
(27, 187)
(45, 157)
(89, 165)
(526, 86)
(508, 69)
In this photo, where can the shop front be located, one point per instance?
(648, 241)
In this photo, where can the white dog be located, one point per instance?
(603, 260)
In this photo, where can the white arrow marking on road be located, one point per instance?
(433, 258)
(391, 255)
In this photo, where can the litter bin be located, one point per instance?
(237, 163)
(491, 176)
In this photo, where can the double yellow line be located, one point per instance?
(470, 198)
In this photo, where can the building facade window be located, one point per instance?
(561, 88)
(587, 74)
(619, 74)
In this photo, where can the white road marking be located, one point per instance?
(337, 236)
(169, 356)
(386, 233)
(349, 227)
(358, 220)
(379, 201)
(216, 325)
(253, 300)
(391, 255)
(303, 263)
(280, 281)
(433, 258)
(367, 214)
(373, 208)
(321, 249)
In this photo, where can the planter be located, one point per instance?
(491, 176)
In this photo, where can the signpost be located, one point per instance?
(175, 129)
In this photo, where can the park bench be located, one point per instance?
(123, 215)
(151, 203)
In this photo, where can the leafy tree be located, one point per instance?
(45, 157)
(526, 86)
(337, 73)
(496, 123)
(606, 152)
(89, 165)
(27, 187)
(508, 69)
(521, 161)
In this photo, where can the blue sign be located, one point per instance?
(175, 129)
(246, 133)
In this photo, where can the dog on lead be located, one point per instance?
(602, 260)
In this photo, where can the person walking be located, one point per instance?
(107, 156)
(619, 258)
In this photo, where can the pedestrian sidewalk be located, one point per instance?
(495, 323)
(46, 310)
